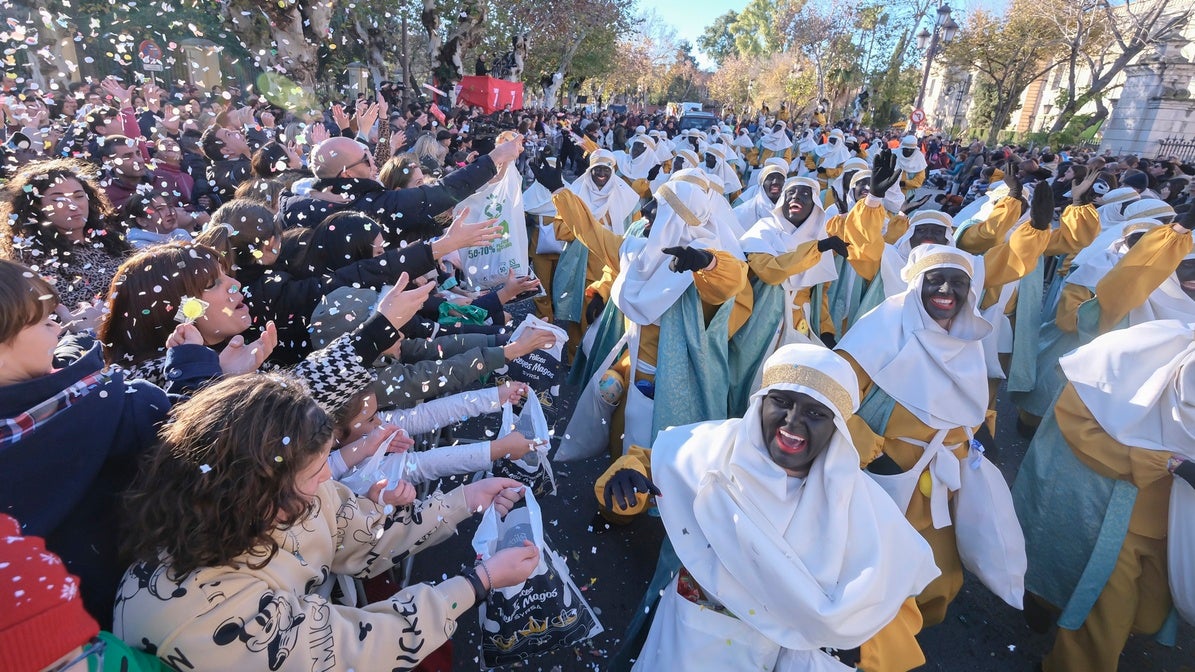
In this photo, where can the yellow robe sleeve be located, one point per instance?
(642, 186)
(722, 282)
(575, 215)
(898, 225)
(1142, 270)
(912, 181)
(895, 647)
(637, 459)
(1067, 316)
(863, 229)
(776, 269)
(1011, 261)
(1109, 458)
(830, 174)
(1078, 228)
(981, 237)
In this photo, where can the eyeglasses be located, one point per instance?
(368, 158)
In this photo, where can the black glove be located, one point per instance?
(884, 173)
(1041, 211)
(1015, 188)
(833, 243)
(654, 172)
(593, 310)
(1188, 220)
(830, 340)
(547, 175)
(1186, 471)
(689, 258)
(623, 486)
(821, 170)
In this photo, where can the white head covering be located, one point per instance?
(725, 173)
(939, 376)
(912, 164)
(1148, 208)
(615, 202)
(896, 255)
(1111, 210)
(1139, 384)
(691, 159)
(758, 205)
(808, 142)
(775, 235)
(743, 140)
(664, 147)
(824, 561)
(777, 140)
(833, 155)
(637, 168)
(852, 164)
(1093, 262)
(646, 286)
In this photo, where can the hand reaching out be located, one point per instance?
(240, 357)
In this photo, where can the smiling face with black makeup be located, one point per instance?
(797, 429)
(862, 188)
(773, 184)
(928, 234)
(798, 203)
(600, 175)
(943, 293)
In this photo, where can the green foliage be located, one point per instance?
(717, 41)
(755, 31)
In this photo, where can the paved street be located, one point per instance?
(981, 633)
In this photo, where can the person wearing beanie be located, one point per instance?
(43, 624)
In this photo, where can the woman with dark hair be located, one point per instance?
(273, 159)
(152, 220)
(55, 219)
(248, 591)
(286, 293)
(401, 172)
(1173, 191)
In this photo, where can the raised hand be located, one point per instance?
(1015, 188)
(461, 235)
(399, 304)
(530, 341)
(548, 176)
(340, 117)
(240, 357)
(1082, 191)
(1041, 210)
(884, 173)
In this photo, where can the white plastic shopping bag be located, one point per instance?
(990, 541)
(533, 469)
(544, 613)
(501, 199)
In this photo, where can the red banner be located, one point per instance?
(490, 94)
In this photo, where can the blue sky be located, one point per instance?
(690, 17)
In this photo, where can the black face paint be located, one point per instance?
(710, 160)
(678, 163)
(600, 175)
(797, 429)
(862, 188)
(907, 152)
(637, 149)
(927, 234)
(798, 203)
(944, 291)
(772, 184)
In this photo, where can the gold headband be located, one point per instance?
(804, 376)
(940, 259)
(695, 180)
(679, 208)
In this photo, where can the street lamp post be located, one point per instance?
(944, 29)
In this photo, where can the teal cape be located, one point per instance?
(749, 345)
(1075, 522)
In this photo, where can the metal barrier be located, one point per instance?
(1183, 150)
